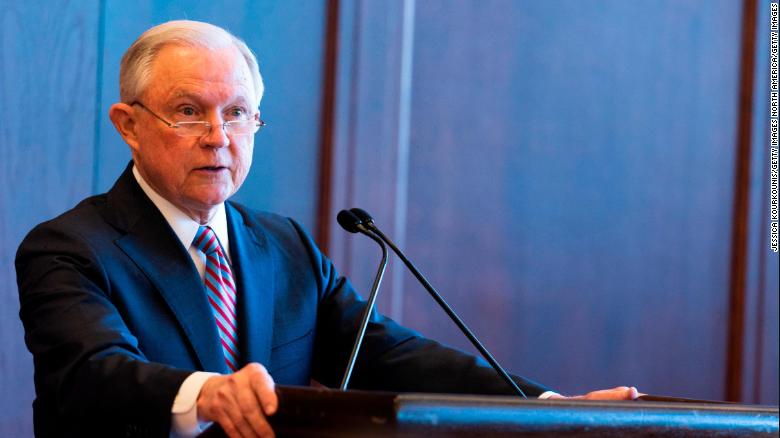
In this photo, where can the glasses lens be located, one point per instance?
(192, 129)
(234, 127)
(242, 127)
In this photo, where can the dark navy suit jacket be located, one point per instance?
(116, 318)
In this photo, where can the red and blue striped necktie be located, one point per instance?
(220, 291)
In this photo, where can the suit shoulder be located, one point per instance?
(272, 223)
(280, 232)
(83, 219)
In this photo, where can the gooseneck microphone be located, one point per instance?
(350, 222)
(367, 222)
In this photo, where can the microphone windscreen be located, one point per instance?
(348, 220)
(362, 215)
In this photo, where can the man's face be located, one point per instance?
(191, 84)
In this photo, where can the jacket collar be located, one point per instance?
(254, 269)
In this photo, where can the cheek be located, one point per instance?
(244, 162)
(156, 159)
(166, 151)
(173, 167)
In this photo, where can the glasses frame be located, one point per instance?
(259, 123)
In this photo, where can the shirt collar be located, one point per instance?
(184, 226)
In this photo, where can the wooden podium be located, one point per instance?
(316, 412)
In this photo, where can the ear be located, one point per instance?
(123, 116)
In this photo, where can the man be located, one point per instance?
(160, 306)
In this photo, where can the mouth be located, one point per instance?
(211, 168)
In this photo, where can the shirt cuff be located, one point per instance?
(184, 413)
(547, 394)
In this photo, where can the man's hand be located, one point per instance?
(240, 402)
(619, 393)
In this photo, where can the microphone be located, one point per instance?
(367, 222)
(352, 223)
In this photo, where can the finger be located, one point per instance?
(263, 384)
(233, 410)
(240, 423)
(613, 394)
(253, 413)
(625, 393)
(227, 425)
(618, 393)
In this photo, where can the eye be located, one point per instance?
(186, 112)
(237, 113)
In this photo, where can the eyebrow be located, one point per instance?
(196, 97)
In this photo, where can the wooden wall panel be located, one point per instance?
(47, 126)
(369, 143)
(760, 349)
(572, 177)
(288, 39)
(768, 331)
(569, 184)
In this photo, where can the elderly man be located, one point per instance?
(160, 306)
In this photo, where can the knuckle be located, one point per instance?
(224, 394)
(256, 368)
(261, 377)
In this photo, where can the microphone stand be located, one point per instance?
(369, 306)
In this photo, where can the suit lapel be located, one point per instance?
(154, 247)
(253, 267)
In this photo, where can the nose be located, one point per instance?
(217, 136)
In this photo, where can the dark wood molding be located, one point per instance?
(316, 412)
(736, 323)
(323, 219)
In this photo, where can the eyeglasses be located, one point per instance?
(201, 128)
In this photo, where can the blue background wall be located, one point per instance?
(564, 171)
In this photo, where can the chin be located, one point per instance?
(216, 194)
(207, 202)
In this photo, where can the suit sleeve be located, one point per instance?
(89, 371)
(392, 358)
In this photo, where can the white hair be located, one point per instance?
(136, 65)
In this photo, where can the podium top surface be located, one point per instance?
(322, 412)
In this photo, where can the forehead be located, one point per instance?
(213, 75)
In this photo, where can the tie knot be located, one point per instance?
(206, 240)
